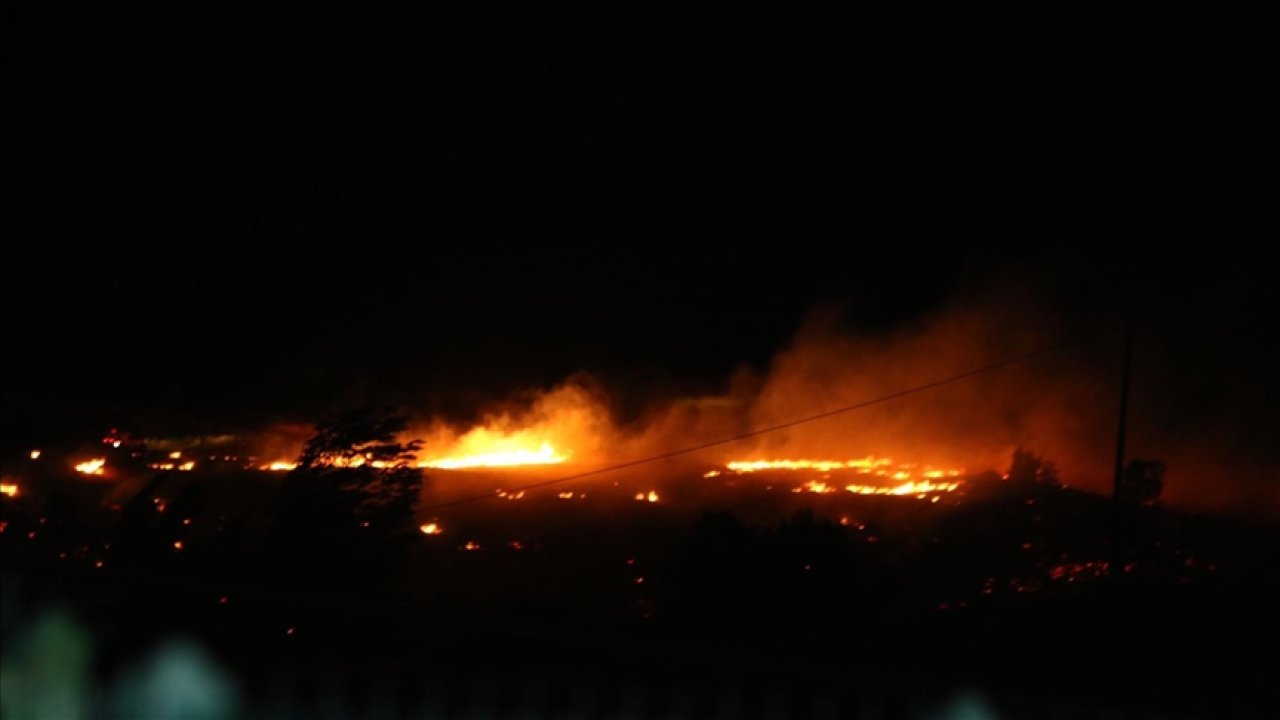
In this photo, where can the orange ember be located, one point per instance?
(9, 489)
(912, 479)
(279, 466)
(95, 466)
(870, 465)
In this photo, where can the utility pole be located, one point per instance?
(1124, 408)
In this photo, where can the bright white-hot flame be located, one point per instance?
(9, 489)
(279, 466)
(495, 451)
(35, 454)
(95, 466)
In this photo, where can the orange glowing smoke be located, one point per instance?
(95, 466)
(9, 489)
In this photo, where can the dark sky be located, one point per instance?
(229, 213)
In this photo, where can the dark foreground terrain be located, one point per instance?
(1000, 601)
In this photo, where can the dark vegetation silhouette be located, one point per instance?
(344, 513)
(1028, 468)
(1014, 574)
(1142, 483)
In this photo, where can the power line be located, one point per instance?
(772, 428)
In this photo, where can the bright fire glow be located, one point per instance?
(9, 489)
(815, 486)
(865, 466)
(431, 528)
(912, 479)
(95, 466)
(279, 466)
(35, 454)
(484, 448)
(919, 489)
(870, 465)
(557, 425)
(651, 496)
(187, 466)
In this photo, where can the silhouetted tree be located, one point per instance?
(1028, 468)
(353, 491)
(1142, 482)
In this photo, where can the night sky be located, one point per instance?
(235, 215)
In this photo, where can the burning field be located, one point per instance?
(884, 496)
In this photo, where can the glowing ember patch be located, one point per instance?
(502, 454)
(711, 474)
(95, 466)
(175, 454)
(471, 545)
(279, 466)
(177, 544)
(566, 495)
(187, 466)
(909, 474)
(919, 489)
(650, 496)
(9, 489)
(814, 486)
(865, 465)
(430, 529)
(35, 454)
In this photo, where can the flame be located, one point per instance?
(651, 496)
(484, 448)
(913, 481)
(919, 489)
(815, 486)
(562, 423)
(187, 466)
(279, 466)
(9, 489)
(35, 454)
(430, 528)
(95, 466)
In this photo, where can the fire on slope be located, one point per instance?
(901, 479)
